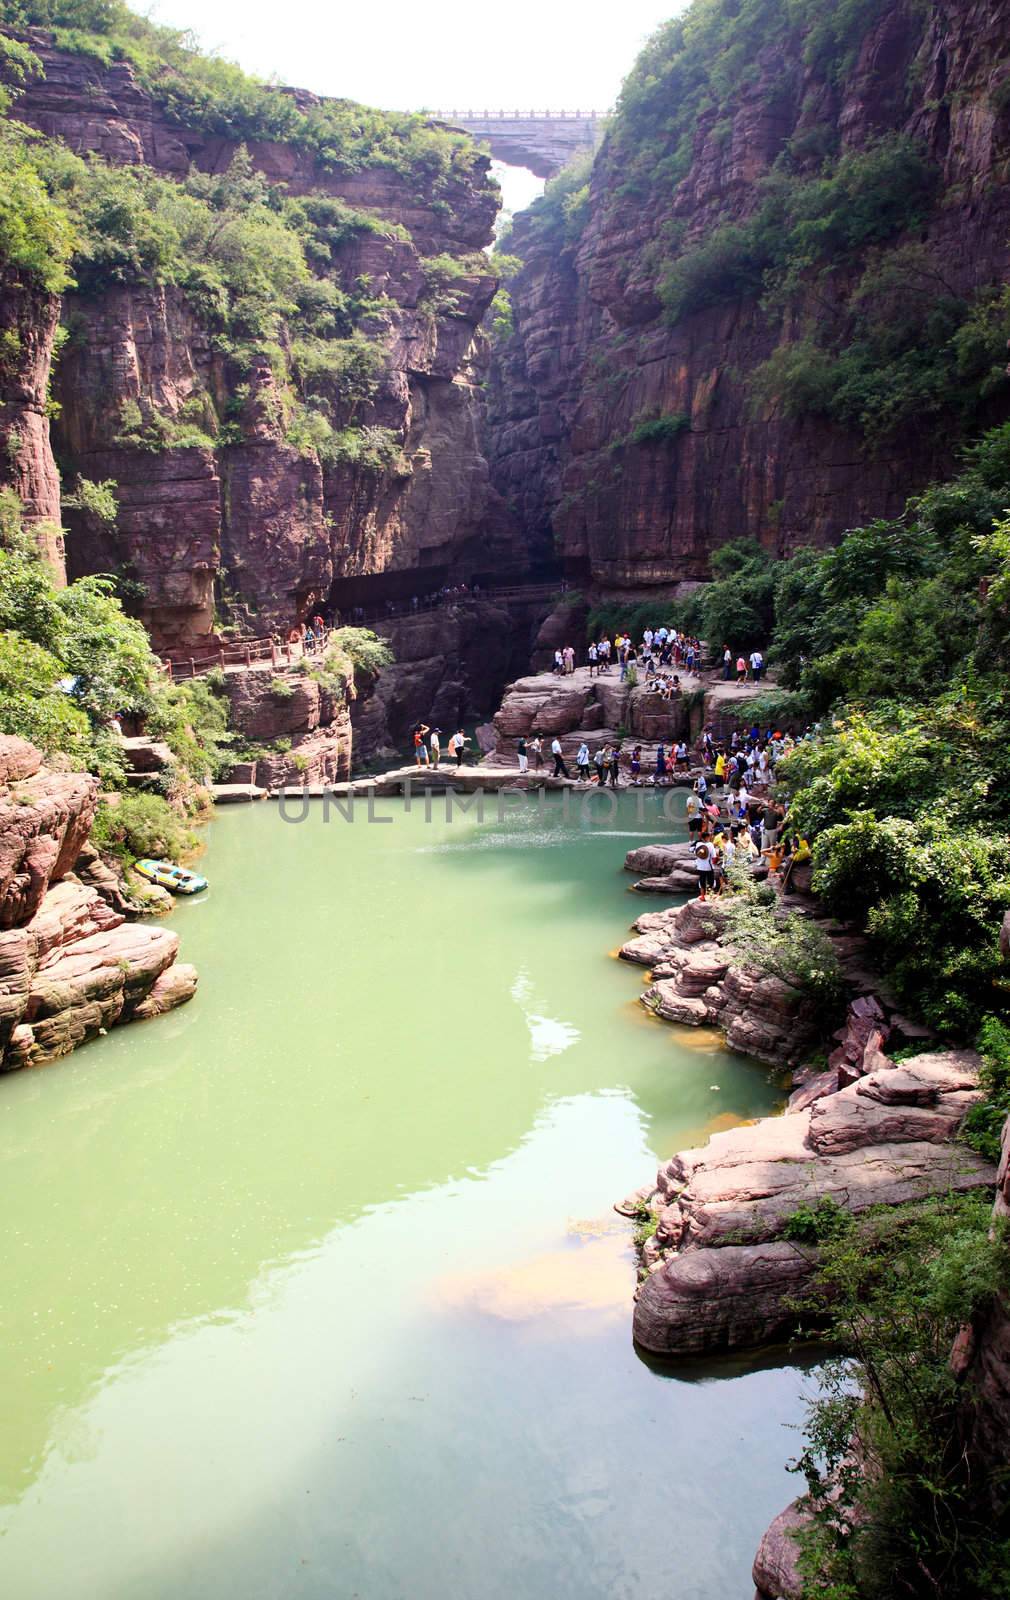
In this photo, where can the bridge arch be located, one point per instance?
(541, 141)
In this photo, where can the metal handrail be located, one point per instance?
(180, 664)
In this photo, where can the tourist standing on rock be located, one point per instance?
(727, 663)
(771, 816)
(537, 752)
(741, 670)
(456, 743)
(523, 758)
(757, 665)
(705, 860)
(660, 763)
(582, 761)
(695, 815)
(592, 658)
(559, 663)
(436, 746)
(615, 764)
(569, 655)
(560, 770)
(636, 763)
(420, 748)
(600, 763)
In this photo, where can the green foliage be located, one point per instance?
(983, 1126)
(375, 449)
(557, 217)
(71, 661)
(737, 607)
(909, 349)
(133, 825)
(657, 430)
(906, 1511)
(97, 500)
(684, 78)
(800, 223)
(192, 719)
(36, 233)
(198, 90)
(784, 945)
(33, 705)
(817, 1223)
(500, 320)
(365, 650)
(349, 368)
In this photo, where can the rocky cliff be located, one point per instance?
(674, 378)
(329, 454)
(71, 965)
(260, 522)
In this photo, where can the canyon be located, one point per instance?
(472, 493)
(593, 360)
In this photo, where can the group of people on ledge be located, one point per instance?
(749, 668)
(660, 649)
(428, 745)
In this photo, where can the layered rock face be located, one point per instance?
(28, 318)
(70, 964)
(722, 1274)
(592, 354)
(256, 524)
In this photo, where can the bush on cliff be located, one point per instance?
(898, 1505)
(71, 661)
(787, 947)
(199, 90)
(983, 1126)
(133, 825)
(900, 637)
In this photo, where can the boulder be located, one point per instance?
(715, 1300)
(18, 759)
(723, 1274)
(776, 1574)
(44, 821)
(173, 988)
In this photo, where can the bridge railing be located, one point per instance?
(515, 116)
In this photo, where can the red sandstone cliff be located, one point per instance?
(71, 966)
(257, 525)
(591, 352)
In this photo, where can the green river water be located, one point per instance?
(313, 1289)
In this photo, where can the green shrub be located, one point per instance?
(983, 1126)
(134, 825)
(909, 1510)
(815, 1224)
(784, 945)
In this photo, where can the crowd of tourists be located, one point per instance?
(654, 659)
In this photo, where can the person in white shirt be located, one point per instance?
(436, 748)
(560, 770)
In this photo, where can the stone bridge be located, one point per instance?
(542, 141)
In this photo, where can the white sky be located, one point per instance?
(433, 54)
